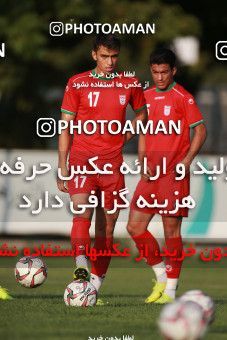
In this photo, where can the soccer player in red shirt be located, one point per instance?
(98, 94)
(166, 101)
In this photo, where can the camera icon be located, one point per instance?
(46, 127)
(221, 50)
(56, 28)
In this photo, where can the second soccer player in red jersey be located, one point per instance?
(97, 95)
(168, 104)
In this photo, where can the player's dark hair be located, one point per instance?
(163, 56)
(109, 41)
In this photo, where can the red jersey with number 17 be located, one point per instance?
(175, 106)
(91, 97)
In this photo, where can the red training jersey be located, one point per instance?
(174, 104)
(90, 97)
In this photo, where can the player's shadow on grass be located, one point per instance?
(41, 296)
(222, 301)
(131, 300)
(219, 330)
(121, 296)
(53, 296)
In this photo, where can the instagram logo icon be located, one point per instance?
(46, 127)
(221, 50)
(56, 28)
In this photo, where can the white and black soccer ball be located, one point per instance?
(182, 320)
(203, 300)
(30, 271)
(80, 293)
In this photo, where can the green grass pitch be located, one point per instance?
(41, 312)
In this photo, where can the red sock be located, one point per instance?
(173, 266)
(80, 237)
(100, 265)
(147, 241)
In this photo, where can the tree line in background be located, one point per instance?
(37, 65)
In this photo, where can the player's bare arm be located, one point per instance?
(198, 139)
(141, 156)
(64, 143)
(141, 115)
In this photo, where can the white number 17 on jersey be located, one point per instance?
(93, 98)
(79, 181)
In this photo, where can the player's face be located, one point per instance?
(106, 59)
(162, 75)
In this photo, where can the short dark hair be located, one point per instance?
(163, 56)
(110, 41)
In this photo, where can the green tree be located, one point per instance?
(37, 65)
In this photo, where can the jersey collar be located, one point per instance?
(168, 88)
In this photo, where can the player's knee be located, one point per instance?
(131, 228)
(111, 221)
(171, 232)
(87, 213)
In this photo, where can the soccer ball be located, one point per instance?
(182, 320)
(203, 300)
(80, 293)
(30, 271)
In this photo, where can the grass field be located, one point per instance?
(41, 312)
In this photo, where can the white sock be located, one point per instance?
(160, 272)
(171, 287)
(96, 281)
(82, 261)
